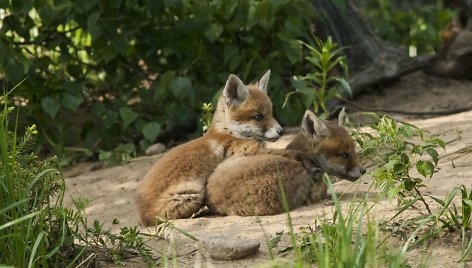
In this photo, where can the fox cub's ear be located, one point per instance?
(264, 81)
(235, 92)
(314, 127)
(341, 116)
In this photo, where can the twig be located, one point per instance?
(422, 199)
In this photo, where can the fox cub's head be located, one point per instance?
(245, 111)
(332, 146)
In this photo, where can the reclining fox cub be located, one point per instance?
(175, 186)
(251, 185)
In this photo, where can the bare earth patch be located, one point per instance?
(112, 190)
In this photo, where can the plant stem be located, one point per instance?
(422, 199)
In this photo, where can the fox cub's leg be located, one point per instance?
(319, 190)
(181, 200)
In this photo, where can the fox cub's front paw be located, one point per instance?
(315, 173)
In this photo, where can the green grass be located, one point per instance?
(35, 229)
(350, 239)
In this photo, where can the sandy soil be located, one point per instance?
(112, 190)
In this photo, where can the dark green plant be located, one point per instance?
(112, 247)
(103, 73)
(349, 239)
(326, 81)
(393, 148)
(207, 116)
(408, 23)
(446, 216)
(32, 231)
(35, 229)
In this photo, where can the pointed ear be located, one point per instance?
(264, 81)
(313, 127)
(235, 92)
(341, 116)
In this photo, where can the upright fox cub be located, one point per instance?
(251, 185)
(175, 185)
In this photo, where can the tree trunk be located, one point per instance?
(371, 60)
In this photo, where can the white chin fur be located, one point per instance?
(355, 173)
(272, 134)
(245, 131)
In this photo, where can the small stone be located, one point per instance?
(229, 248)
(156, 148)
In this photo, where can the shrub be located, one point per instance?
(126, 72)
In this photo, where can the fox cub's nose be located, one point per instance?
(280, 131)
(362, 170)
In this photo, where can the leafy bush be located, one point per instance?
(392, 148)
(102, 73)
(409, 23)
(326, 81)
(35, 229)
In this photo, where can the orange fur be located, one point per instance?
(250, 185)
(175, 185)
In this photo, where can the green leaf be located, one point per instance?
(154, 6)
(468, 202)
(230, 52)
(15, 72)
(425, 168)
(234, 63)
(117, 41)
(181, 87)
(93, 26)
(151, 130)
(71, 102)
(51, 106)
(345, 85)
(74, 70)
(85, 5)
(127, 115)
(127, 148)
(406, 131)
(213, 32)
(440, 142)
(434, 155)
(408, 185)
(4, 4)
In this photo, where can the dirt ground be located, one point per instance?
(112, 190)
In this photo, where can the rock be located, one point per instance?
(156, 148)
(229, 248)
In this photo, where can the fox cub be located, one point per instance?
(175, 185)
(251, 185)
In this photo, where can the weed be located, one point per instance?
(344, 241)
(35, 228)
(328, 79)
(392, 148)
(206, 116)
(110, 246)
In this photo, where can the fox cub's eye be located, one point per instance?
(344, 155)
(258, 117)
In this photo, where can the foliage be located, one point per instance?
(207, 116)
(112, 247)
(392, 147)
(35, 228)
(445, 217)
(344, 241)
(409, 23)
(102, 73)
(326, 81)
(32, 230)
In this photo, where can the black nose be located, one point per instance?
(363, 170)
(280, 131)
